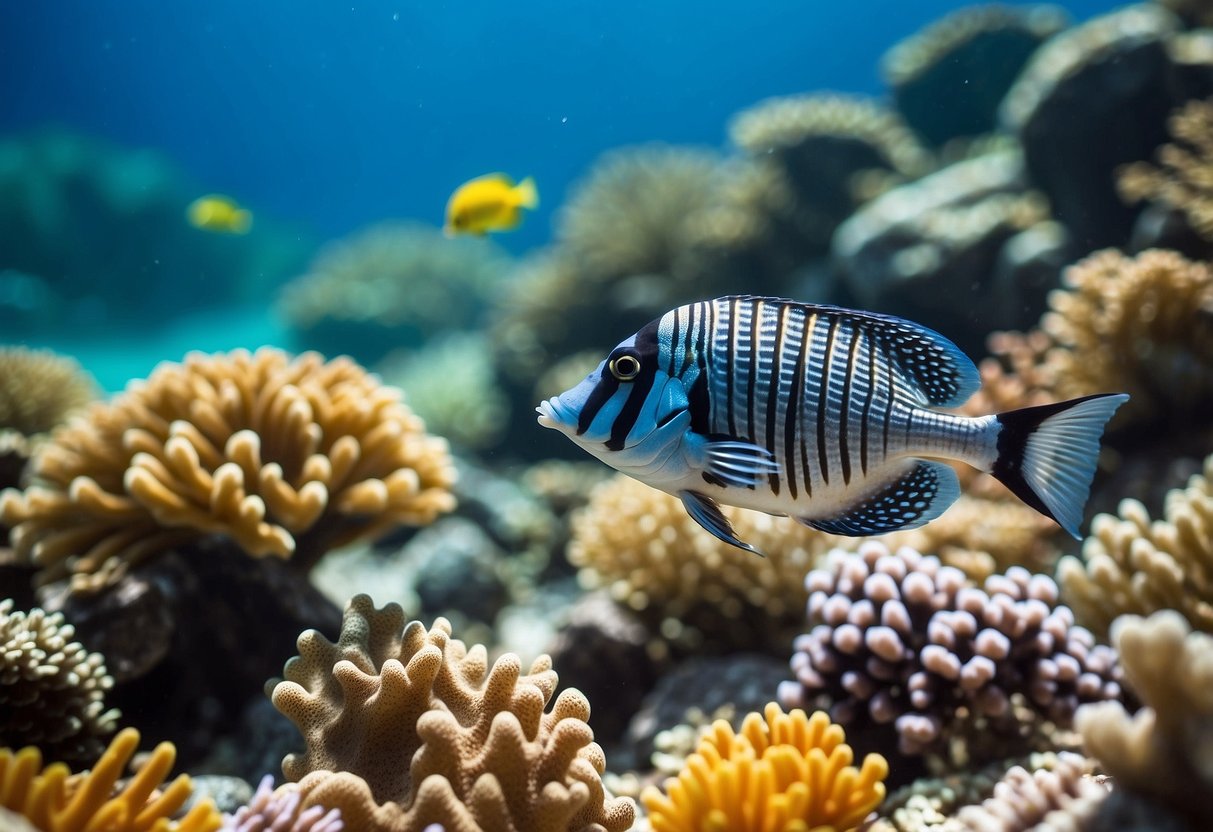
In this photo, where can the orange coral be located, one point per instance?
(55, 801)
(782, 773)
(288, 457)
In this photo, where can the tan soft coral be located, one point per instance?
(1184, 177)
(1162, 751)
(1131, 564)
(288, 457)
(39, 389)
(406, 727)
(55, 801)
(1142, 325)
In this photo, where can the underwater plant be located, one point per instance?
(286, 456)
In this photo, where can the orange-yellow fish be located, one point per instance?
(489, 203)
(219, 213)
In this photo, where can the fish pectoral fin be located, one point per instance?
(706, 512)
(917, 497)
(738, 463)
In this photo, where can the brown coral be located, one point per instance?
(406, 727)
(39, 389)
(51, 689)
(288, 457)
(1131, 564)
(53, 800)
(1162, 751)
(781, 772)
(1183, 178)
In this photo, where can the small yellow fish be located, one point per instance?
(489, 203)
(219, 213)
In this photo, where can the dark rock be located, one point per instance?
(458, 569)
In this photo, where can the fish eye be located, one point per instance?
(625, 366)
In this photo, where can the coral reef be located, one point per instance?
(269, 812)
(1059, 798)
(1131, 564)
(288, 457)
(1162, 751)
(52, 690)
(968, 58)
(899, 640)
(818, 148)
(698, 592)
(394, 284)
(925, 248)
(50, 799)
(781, 771)
(1184, 177)
(1077, 125)
(405, 727)
(39, 390)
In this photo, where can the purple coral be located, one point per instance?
(900, 639)
(269, 811)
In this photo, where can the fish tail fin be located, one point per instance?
(242, 221)
(527, 193)
(1047, 454)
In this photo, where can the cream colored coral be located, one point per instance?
(39, 389)
(1131, 564)
(642, 546)
(1184, 176)
(405, 727)
(1165, 750)
(288, 457)
(55, 801)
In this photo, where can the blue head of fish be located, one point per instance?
(630, 412)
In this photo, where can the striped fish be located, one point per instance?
(820, 413)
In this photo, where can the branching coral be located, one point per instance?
(781, 773)
(1142, 325)
(53, 800)
(899, 639)
(51, 689)
(1131, 564)
(406, 727)
(288, 457)
(39, 389)
(1184, 177)
(1162, 751)
(640, 545)
(271, 811)
(1060, 798)
(393, 283)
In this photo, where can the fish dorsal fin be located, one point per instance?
(910, 501)
(503, 178)
(934, 368)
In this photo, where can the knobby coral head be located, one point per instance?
(286, 456)
(781, 773)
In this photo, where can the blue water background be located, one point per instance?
(330, 116)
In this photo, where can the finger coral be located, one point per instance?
(1162, 751)
(287, 457)
(643, 548)
(39, 389)
(51, 799)
(405, 727)
(271, 811)
(899, 639)
(1057, 798)
(1184, 176)
(782, 772)
(1131, 564)
(51, 689)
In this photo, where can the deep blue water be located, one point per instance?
(328, 116)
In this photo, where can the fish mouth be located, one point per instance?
(550, 415)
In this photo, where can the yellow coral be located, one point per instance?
(39, 389)
(1131, 564)
(288, 457)
(55, 801)
(1184, 177)
(405, 727)
(782, 773)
